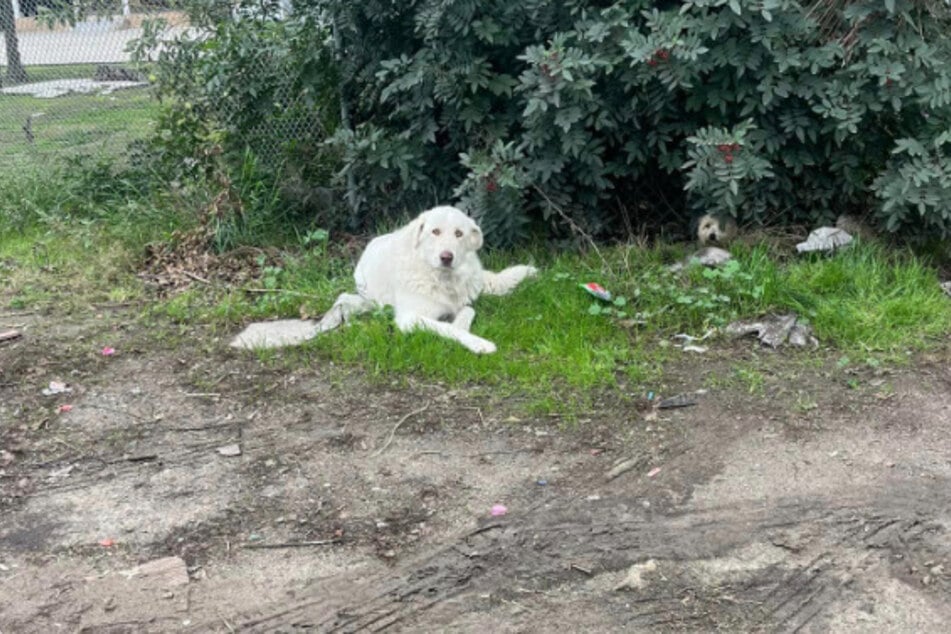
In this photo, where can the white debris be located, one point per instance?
(59, 87)
(56, 387)
(775, 330)
(825, 239)
(230, 451)
(708, 256)
(635, 576)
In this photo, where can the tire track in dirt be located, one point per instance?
(849, 536)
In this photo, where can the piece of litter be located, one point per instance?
(653, 472)
(230, 450)
(697, 349)
(824, 239)
(498, 510)
(107, 542)
(775, 330)
(57, 387)
(681, 400)
(709, 256)
(108, 352)
(597, 290)
(946, 287)
(541, 482)
(65, 407)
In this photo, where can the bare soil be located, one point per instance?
(819, 503)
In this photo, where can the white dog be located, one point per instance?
(428, 271)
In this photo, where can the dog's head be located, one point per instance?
(713, 229)
(444, 236)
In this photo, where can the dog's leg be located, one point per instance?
(505, 281)
(346, 306)
(406, 322)
(464, 317)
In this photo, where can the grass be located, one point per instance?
(556, 340)
(75, 123)
(78, 240)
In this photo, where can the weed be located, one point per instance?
(753, 381)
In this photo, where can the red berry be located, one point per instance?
(724, 147)
(491, 186)
(652, 62)
(735, 147)
(728, 158)
(661, 53)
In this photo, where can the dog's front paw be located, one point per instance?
(480, 346)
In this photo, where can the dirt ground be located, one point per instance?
(818, 503)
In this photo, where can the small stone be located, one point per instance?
(230, 451)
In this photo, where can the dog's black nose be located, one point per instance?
(713, 237)
(446, 258)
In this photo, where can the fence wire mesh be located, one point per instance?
(74, 89)
(70, 89)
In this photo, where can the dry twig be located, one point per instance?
(397, 426)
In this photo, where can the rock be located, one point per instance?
(946, 287)
(230, 451)
(825, 239)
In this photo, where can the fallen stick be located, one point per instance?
(10, 335)
(397, 426)
(320, 542)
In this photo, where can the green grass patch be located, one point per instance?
(556, 342)
(77, 235)
(73, 123)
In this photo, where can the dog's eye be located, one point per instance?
(436, 232)
(458, 233)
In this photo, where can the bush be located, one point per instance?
(616, 114)
(250, 102)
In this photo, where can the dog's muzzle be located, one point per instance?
(446, 258)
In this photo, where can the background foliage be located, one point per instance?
(614, 115)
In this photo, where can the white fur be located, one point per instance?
(429, 272)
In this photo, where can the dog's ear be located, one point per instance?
(475, 237)
(419, 227)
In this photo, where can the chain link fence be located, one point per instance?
(72, 89)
